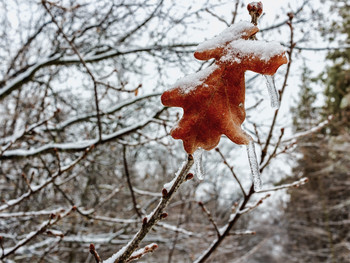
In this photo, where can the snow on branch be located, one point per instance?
(18, 81)
(54, 218)
(143, 251)
(37, 188)
(299, 135)
(178, 229)
(252, 207)
(58, 59)
(10, 140)
(298, 183)
(31, 213)
(110, 110)
(80, 145)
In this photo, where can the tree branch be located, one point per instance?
(76, 51)
(127, 174)
(80, 145)
(148, 222)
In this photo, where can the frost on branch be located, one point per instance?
(213, 99)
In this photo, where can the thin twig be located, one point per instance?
(273, 154)
(250, 208)
(235, 12)
(292, 44)
(226, 230)
(232, 171)
(207, 212)
(37, 188)
(94, 253)
(127, 175)
(53, 220)
(76, 51)
(2, 246)
(175, 239)
(80, 145)
(143, 251)
(217, 17)
(298, 183)
(12, 139)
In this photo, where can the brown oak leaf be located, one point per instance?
(213, 98)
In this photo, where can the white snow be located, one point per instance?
(234, 32)
(260, 49)
(119, 253)
(31, 213)
(168, 185)
(190, 82)
(142, 251)
(78, 145)
(116, 255)
(178, 229)
(13, 83)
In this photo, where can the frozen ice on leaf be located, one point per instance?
(198, 161)
(254, 165)
(273, 93)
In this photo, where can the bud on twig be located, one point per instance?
(164, 192)
(144, 221)
(94, 253)
(290, 15)
(255, 10)
(164, 215)
(189, 176)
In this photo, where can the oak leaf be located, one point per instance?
(213, 98)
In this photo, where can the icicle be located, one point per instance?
(271, 87)
(198, 163)
(254, 166)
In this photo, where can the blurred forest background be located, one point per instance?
(85, 147)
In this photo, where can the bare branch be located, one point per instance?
(143, 251)
(232, 171)
(76, 51)
(53, 220)
(127, 174)
(80, 145)
(298, 183)
(206, 211)
(37, 188)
